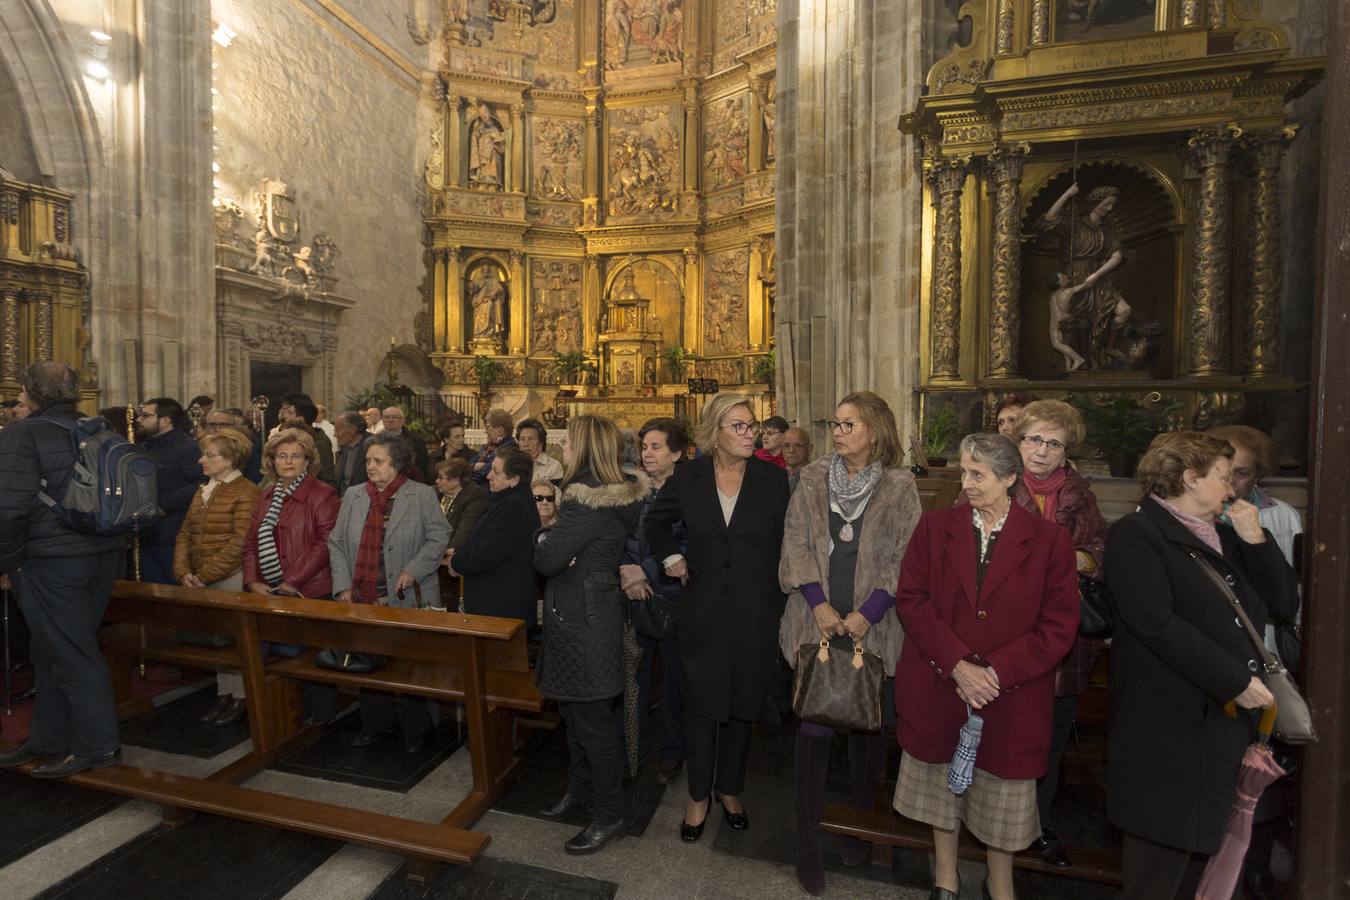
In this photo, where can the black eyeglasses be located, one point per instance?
(835, 425)
(543, 498)
(1036, 441)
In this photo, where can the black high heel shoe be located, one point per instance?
(739, 821)
(692, 833)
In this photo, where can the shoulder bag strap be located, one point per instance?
(1272, 665)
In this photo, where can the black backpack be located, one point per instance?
(112, 487)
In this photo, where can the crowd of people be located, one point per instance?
(728, 549)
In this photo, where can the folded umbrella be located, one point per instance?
(632, 656)
(961, 772)
(1259, 770)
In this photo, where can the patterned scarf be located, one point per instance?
(366, 587)
(268, 559)
(1045, 491)
(849, 496)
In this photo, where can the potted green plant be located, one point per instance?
(940, 427)
(1121, 427)
(764, 369)
(486, 369)
(678, 362)
(571, 367)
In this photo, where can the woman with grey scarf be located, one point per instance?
(846, 531)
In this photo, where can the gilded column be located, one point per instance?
(517, 177)
(1218, 13)
(9, 335)
(42, 322)
(456, 161)
(454, 301)
(1209, 337)
(441, 338)
(591, 154)
(1266, 152)
(517, 323)
(692, 129)
(1004, 170)
(946, 178)
(693, 302)
(1190, 13)
(590, 288)
(1040, 22)
(1003, 39)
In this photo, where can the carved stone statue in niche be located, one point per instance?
(1093, 319)
(487, 294)
(487, 150)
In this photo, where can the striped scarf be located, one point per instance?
(268, 560)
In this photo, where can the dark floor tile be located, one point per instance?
(384, 764)
(208, 858)
(37, 812)
(495, 879)
(175, 728)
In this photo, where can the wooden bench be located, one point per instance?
(480, 661)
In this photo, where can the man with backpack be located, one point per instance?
(63, 579)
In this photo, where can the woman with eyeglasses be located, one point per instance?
(462, 501)
(733, 507)
(1047, 431)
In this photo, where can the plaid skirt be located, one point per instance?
(1000, 812)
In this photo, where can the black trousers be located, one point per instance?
(595, 754)
(1065, 710)
(716, 751)
(381, 709)
(1157, 872)
(63, 600)
(672, 710)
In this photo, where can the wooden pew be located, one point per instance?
(480, 661)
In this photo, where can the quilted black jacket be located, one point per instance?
(31, 450)
(581, 657)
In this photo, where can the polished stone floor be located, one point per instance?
(61, 841)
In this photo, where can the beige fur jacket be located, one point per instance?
(891, 516)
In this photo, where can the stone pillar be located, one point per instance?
(1190, 13)
(1040, 22)
(1004, 173)
(693, 302)
(1209, 331)
(9, 335)
(946, 178)
(1003, 37)
(440, 341)
(454, 301)
(1266, 151)
(42, 322)
(516, 332)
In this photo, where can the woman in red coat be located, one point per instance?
(988, 596)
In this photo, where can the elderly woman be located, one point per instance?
(387, 544)
(462, 501)
(1177, 660)
(988, 598)
(497, 428)
(1256, 457)
(847, 527)
(1047, 431)
(209, 550)
(1007, 411)
(497, 563)
(581, 657)
(545, 496)
(733, 507)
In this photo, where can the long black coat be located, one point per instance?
(581, 657)
(1178, 655)
(498, 561)
(732, 604)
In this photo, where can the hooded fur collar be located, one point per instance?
(603, 496)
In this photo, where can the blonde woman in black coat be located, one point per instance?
(581, 658)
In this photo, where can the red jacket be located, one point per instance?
(307, 517)
(1022, 623)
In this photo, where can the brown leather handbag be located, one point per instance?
(838, 688)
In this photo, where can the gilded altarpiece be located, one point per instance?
(1102, 210)
(601, 152)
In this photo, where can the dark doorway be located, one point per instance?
(273, 381)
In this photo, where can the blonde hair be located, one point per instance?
(230, 443)
(877, 416)
(1163, 468)
(710, 422)
(280, 439)
(597, 445)
(1254, 441)
(1055, 413)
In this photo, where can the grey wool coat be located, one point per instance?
(891, 516)
(415, 539)
(581, 657)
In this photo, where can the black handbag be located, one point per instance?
(1095, 610)
(655, 617)
(838, 689)
(353, 661)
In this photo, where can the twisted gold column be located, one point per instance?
(1040, 22)
(1266, 152)
(947, 178)
(1004, 169)
(1209, 337)
(1218, 13)
(9, 334)
(1190, 13)
(1004, 37)
(43, 325)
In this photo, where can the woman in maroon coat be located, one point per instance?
(988, 596)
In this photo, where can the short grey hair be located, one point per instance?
(400, 450)
(995, 450)
(50, 382)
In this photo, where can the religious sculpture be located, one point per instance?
(487, 150)
(488, 297)
(767, 114)
(656, 26)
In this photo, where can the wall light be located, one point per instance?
(97, 70)
(101, 36)
(223, 35)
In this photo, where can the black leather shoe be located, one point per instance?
(692, 833)
(221, 704)
(737, 820)
(1051, 851)
(594, 836)
(235, 710)
(667, 771)
(366, 738)
(941, 893)
(17, 757)
(73, 765)
(414, 744)
(569, 804)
